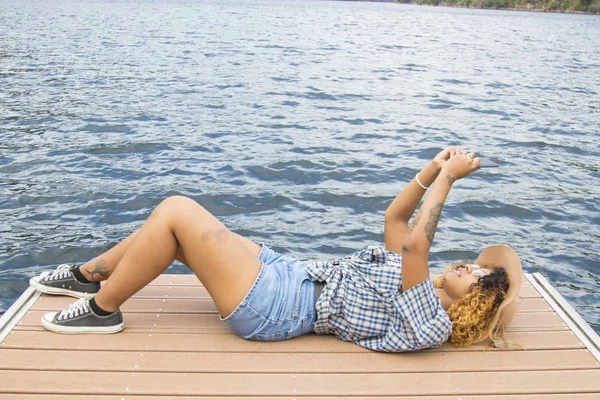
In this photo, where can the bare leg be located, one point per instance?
(100, 268)
(224, 262)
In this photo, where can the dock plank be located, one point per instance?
(562, 396)
(227, 342)
(218, 362)
(309, 384)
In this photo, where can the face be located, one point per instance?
(458, 281)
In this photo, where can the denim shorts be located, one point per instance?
(281, 303)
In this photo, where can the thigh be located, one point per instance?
(250, 245)
(225, 262)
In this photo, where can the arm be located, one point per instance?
(415, 249)
(404, 205)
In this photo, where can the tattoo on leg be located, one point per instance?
(415, 221)
(434, 217)
(450, 179)
(100, 268)
(218, 235)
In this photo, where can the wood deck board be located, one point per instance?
(186, 342)
(218, 362)
(562, 396)
(181, 330)
(145, 305)
(175, 347)
(310, 384)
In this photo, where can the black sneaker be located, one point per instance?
(62, 281)
(79, 318)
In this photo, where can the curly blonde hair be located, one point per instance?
(472, 314)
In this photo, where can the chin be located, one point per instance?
(451, 285)
(447, 279)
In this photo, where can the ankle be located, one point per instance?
(80, 276)
(96, 270)
(100, 310)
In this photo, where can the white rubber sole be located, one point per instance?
(73, 330)
(33, 282)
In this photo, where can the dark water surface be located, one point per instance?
(296, 123)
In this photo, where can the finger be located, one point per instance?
(476, 162)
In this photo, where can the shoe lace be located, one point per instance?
(61, 272)
(76, 309)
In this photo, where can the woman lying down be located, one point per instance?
(381, 298)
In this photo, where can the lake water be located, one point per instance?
(296, 123)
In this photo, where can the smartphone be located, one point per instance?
(486, 163)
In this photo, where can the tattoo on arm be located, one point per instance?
(434, 217)
(450, 179)
(415, 221)
(100, 268)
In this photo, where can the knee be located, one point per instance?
(173, 207)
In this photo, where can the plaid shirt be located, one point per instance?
(363, 303)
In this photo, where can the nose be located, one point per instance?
(471, 268)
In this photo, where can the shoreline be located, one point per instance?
(540, 10)
(443, 4)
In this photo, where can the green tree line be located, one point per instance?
(588, 6)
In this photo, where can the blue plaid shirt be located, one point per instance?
(363, 303)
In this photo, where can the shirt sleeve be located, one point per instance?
(423, 321)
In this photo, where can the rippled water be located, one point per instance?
(296, 122)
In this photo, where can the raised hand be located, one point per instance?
(443, 156)
(460, 164)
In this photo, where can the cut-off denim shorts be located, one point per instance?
(280, 304)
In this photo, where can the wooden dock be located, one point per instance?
(175, 347)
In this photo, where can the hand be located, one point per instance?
(460, 164)
(443, 156)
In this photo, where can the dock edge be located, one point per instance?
(19, 308)
(588, 337)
